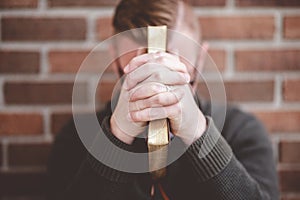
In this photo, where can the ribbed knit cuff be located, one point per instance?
(108, 133)
(210, 154)
(106, 171)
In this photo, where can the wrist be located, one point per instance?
(195, 130)
(201, 127)
(118, 133)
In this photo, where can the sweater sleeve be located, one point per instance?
(73, 173)
(243, 170)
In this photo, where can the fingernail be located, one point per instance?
(126, 69)
(187, 78)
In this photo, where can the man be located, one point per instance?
(239, 164)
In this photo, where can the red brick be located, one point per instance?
(28, 154)
(291, 27)
(208, 3)
(1, 154)
(92, 3)
(268, 3)
(289, 180)
(268, 60)
(104, 28)
(70, 61)
(290, 197)
(62, 61)
(19, 62)
(58, 120)
(43, 29)
(280, 121)
(20, 124)
(18, 3)
(215, 59)
(22, 183)
(247, 91)
(291, 90)
(41, 93)
(219, 57)
(289, 152)
(236, 91)
(237, 27)
(81, 3)
(242, 91)
(215, 27)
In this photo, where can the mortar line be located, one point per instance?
(5, 155)
(278, 91)
(278, 28)
(42, 5)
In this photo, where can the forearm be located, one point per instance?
(234, 182)
(218, 170)
(88, 184)
(118, 133)
(73, 172)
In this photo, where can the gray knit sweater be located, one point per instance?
(240, 165)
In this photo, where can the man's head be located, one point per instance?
(175, 14)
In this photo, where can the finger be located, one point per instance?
(140, 60)
(150, 114)
(150, 89)
(158, 100)
(156, 73)
(172, 61)
(140, 51)
(170, 78)
(146, 90)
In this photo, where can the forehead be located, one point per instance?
(125, 45)
(181, 43)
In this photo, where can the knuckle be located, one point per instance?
(158, 76)
(168, 99)
(160, 99)
(131, 106)
(177, 109)
(165, 61)
(143, 104)
(132, 95)
(155, 56)
(154, 88)
(161, 59)
(156, 100)
(136, 105)
(133, 116)
(173, 98)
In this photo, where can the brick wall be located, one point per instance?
(256, 43)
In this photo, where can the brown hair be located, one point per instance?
(130, 14)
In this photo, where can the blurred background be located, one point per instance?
(255, 44)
